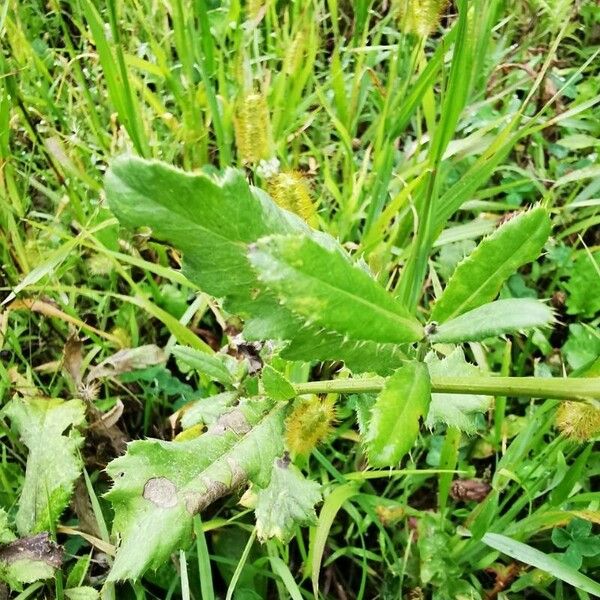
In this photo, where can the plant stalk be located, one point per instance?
(576, 388)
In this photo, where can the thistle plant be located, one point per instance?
(300, 290)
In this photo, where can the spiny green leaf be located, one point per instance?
(494, 318)
(311, 343)
(323, 287)
(275, 385)
(53, 462)
(212, 221)
(159, 486)
(479, 277)
(287, 501)
(396, 415)
(455, 410)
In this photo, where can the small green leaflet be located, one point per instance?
(217, 367)
(159, 486)
(455, 410)
(275, 385)
(322, 287)
(53, 462)
(492, 319)
(287, 501)
(479, 277)
(396, 415)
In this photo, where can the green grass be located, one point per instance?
(384, 126)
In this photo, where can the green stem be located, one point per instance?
(574, 388)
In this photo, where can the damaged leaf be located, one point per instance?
(48, 427)
(159, 486)
(126, 360)
(29, 559)
(288, 500)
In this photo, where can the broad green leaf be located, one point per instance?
(492, 319)
(479, 277)
(275, 385)
(455, 410)
(217, 367)
(531, 556)
(159, 486)
(211, 221)
(582, 345)
(322, 287)
(53, 462)
(287, 501)
(396, 415)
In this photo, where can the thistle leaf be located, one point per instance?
(287, 501)
(312, 343)
(211, 221)
(455, 410)
(159, 486)
(494, 318)
(479, 277)
(53, 462)
(321, 286)
(396, 415)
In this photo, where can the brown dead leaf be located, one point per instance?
(128, 359)
(38, 547)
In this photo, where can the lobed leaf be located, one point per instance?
(492, 319)
(287, 501)
(321, 286)
(479, 277)
(159, 486)
(397, 413)
(48, 427)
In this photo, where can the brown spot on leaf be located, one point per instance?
(196, 502)
(161, 491)
(234, 420)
